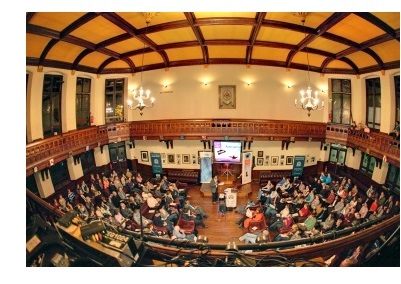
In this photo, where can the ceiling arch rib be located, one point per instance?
(382, 33)
(379, 23)
(139, 34)
(254, 34)
(65, 33)
(198, 34)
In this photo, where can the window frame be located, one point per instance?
(82, 111)
(371, 91)
(342, 92)
(52, 92)
(112, 109)
(367, 171)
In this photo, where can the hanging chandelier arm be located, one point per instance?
(309, 100)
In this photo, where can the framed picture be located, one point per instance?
(260, 154)
(144, 156)
(267, 160)
(185, 158)
(171, 158)
(312, 160)
(259, 162)
(163, 155)
(274, 161)
(282, 157)
(227, 97)
(290, 160)
(281, 162)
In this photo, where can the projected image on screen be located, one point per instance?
(227, 151)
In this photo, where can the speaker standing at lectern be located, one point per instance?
(214, 187)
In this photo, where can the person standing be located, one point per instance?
(214, 187)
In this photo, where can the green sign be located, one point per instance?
(298, 167)
(156, 160)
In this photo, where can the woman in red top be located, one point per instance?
(257, 215)
(373, 206)
(304, 211)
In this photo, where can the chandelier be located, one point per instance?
(140, 95)
(308, 101)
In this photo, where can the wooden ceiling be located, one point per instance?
(106, 43)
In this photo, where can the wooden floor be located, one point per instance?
(222, 230)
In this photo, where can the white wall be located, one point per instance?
(186, 97)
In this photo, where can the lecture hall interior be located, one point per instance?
(131, 115)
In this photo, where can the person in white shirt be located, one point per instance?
(250, 238)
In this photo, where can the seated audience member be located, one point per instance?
(180, 234)
(308, 224)
(115, 198)
(152, 202)
(310, 197)
(62, 202)
(328, 223)
(71, 196)
(195, 209)
(363, 212)
(137, 218)
(188, 215)
(82, 212)
(323, 214)
(339, 225)
(349, 217)
(250, 238)
(126, 211)
(328, 179)
(257, 215)
(339, 206)
(304, 211)
(159, 222)
(287, 235)
(151, 230)
(265, 190)
(121, 193)
(330, 198)
(242, 209)
(119, 218)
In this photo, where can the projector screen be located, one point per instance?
(227, 151)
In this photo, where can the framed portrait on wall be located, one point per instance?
(259, 162)
(171, 158)
(227, 97)
(185, 158)
(267, 160)
(260, 154)
(144, 156)
(274, 161)
(290, 160)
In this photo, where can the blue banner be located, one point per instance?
(298, 167)
(205, 166)
(156, 161)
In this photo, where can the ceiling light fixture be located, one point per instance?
(308, 102)
(140, 95)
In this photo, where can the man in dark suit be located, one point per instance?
(214, 188)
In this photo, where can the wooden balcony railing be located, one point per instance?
(59, 147)
(376, 144)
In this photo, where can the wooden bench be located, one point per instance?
(187, 176)
(273, 176)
